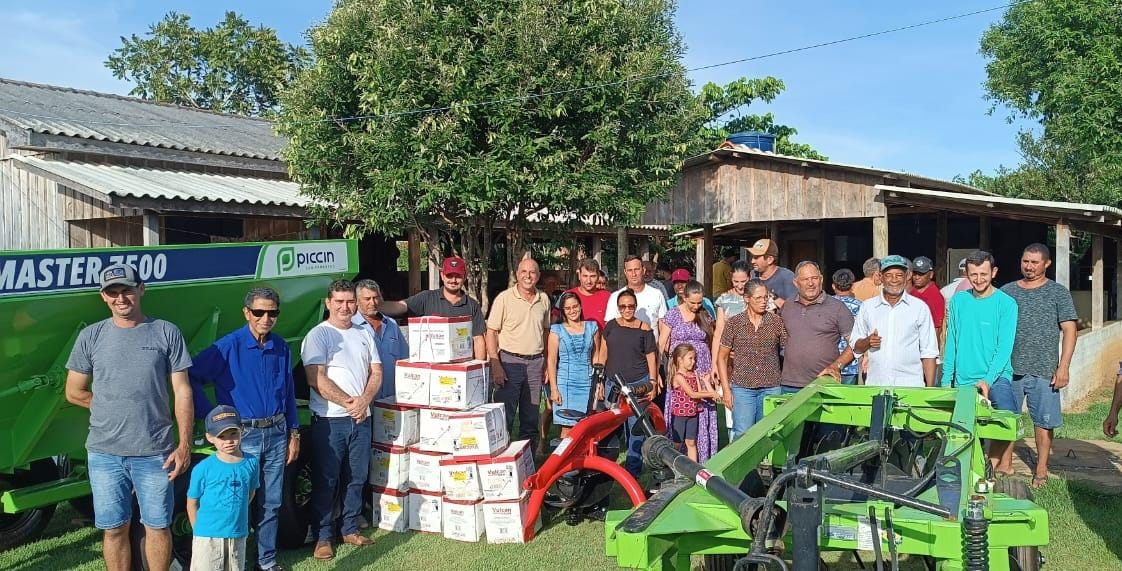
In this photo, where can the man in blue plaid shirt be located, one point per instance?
(843, 291)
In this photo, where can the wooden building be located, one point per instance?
(86, 169)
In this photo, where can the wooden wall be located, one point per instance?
(761, 190)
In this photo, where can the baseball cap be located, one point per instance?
(922, 265)
(680, 275)
(894, 261)
(119, 274)
(222, 417)
(764, 247)
(962, 264)
(454, 266)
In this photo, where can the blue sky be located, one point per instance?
(909, 101)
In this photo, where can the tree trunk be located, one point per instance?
(485, 266)
(515, 251)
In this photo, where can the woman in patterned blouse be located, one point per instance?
(755, 338)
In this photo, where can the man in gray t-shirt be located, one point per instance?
(815, 324)
(1045, 315)
(131, 448)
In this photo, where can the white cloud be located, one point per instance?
(60, 49)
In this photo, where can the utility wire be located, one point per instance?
(534, 96)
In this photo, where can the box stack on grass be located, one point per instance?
(443, 461)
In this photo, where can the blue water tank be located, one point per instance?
(755, 139)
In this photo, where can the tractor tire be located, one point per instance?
(719, 562)
(1023, 558)
(292, 517)
(26, 526)
(181, 536)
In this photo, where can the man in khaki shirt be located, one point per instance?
(516, 333)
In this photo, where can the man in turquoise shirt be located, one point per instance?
(981, 327)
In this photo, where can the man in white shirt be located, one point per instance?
(652, 304)
(344, 374)
(895, 330)
(958, 284)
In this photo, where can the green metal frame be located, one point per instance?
(695, 523)
(38, 330)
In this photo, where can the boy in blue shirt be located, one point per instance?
(219, 494)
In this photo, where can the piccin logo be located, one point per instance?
(286, 258)
(290, 259)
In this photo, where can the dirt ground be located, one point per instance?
(1094, 462)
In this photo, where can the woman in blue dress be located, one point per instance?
(570, 350)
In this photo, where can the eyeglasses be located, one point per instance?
(273, 313)
(628, 306)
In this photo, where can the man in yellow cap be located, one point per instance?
(780, 281)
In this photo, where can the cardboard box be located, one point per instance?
(460, 386)
(439, 339)
(505, 520)
(460, 480)
(395, 424)
(389, 467)
(502, 477)
(437, 433)
(479, 433)
(425, 510)
(463, 520)
(391, 509)
(424, 469)
(411, 383)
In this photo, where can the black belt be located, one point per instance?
(263, 422)
(520, 356)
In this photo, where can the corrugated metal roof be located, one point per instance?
(1043, 210)
(106, 117)
(127, 181)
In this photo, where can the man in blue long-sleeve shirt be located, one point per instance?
(251, 370)
(981, 328)
(392, 345)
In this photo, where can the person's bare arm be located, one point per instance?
(359, 406)
(928, 371)
(192, 511)
(551, 355)
(78, 389)
(498, 375)
(479, 347)
(180, 458)
(663, 336)
(715, 350)
(318, 381)
(1069, 331)
(1110, 423)
(393, 308)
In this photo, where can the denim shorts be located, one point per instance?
(113, 479)
(1003, 396)
(1043, 401)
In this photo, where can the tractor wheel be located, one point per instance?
(17, 529)
(1023, 558)
(719, 562)
(292, 517)
(181, 536)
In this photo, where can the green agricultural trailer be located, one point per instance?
(868, 470)
(47, 297)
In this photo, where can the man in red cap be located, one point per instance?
(593, 301)
(680, 277)
(449, 301)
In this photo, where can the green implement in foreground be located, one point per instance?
(47, 297)
(883, 471)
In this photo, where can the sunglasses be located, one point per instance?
(262, 312)
(629, 306)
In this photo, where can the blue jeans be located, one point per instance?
(849, 379)
(340, 467)
(786, 390)
(748, 407)
(113, 479)
(634, 461)
(270, 446)
(1043, 401)
(1002, 396)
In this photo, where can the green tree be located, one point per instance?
(1060, 63)
(232, 68)
(450, 144)
(725, 106)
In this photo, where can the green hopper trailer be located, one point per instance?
(47, 297)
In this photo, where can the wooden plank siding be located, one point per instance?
(754, 189)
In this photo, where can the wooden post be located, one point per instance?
(941, 249)
(1098, 284)
(984, 233)
(414, 250)
(434, 266)
(773, 235)
(704, 261)
(621, 254)
(880, 236)
(597, 250)
(1063, 254)
(1118, 279)
(151, 229)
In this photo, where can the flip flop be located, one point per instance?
(1039, 482)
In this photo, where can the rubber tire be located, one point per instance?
(180, 527)
(1024, 558)
(26, 526)
(292, 517)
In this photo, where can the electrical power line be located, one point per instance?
(534, 96)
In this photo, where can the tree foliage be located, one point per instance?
(448, 140)
(725, 106)
(232, 68)
(1060, 63)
